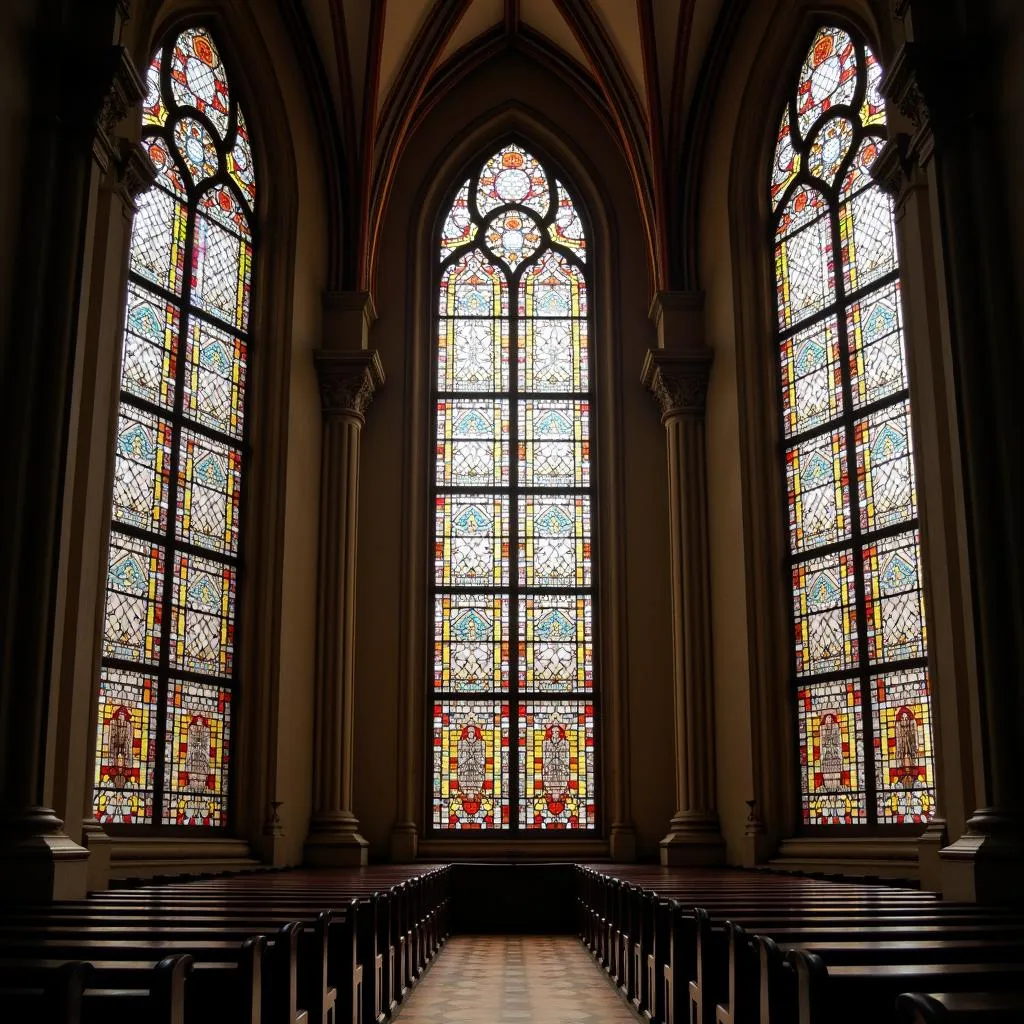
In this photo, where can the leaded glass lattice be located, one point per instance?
(864, 717)
(163, 729)
(513, 606)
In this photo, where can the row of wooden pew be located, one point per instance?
(743, 947)
(294, 947)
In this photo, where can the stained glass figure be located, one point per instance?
(831, 736)
(164, 719)
(859, 631)
(198, 737)
(125, 748)
(513, 603)
(904, 761)
(556, 765)
(471, 765)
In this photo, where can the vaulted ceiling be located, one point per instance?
(387, 61)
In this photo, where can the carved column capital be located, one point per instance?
(130, 174)
(678, 380)
(902, 85)
(120, 87)
(347, 380)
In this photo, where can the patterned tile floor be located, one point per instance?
(508, 979)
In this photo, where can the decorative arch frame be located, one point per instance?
(559, 180)
(776, 815)
(530, 128)
(259, 599)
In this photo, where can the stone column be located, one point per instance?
(947, 82)
(82, 84)
(678, 379)
(347, 381)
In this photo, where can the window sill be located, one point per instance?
(146, 856)
(885, 856)
(479, 848)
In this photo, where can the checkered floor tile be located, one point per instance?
(506, 979)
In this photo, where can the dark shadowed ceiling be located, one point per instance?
(386, 62)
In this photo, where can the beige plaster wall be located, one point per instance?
(503, 80)
(294, 704)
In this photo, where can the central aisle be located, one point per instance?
(494, 979)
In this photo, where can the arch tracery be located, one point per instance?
(163, 733)
(512, 691)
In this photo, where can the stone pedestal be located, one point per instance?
(678, 379)
(347, 381)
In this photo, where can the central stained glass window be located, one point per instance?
(862, 691)
(513, 604)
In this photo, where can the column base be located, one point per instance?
(693, 840)
(622, 843)
(929, 858)
(100, 847)
(334, 841)
(404, 842)
(984, 864)
(40, 860)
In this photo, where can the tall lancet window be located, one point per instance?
(168, 671)
(513, 605)
(863, 703)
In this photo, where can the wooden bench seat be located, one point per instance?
(237, 990)
(326, 965)
(849, 993)
(961, 1007)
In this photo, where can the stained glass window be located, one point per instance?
(864, 717)
(163, 736)
(512, 688)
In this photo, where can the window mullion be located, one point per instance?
(515, 591)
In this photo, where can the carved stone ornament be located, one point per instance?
(133, 173)
(348, 380)
(126, 88)
(678, 380)
(895, 172)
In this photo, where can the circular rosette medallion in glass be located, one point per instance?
(197, 148)
(513, 237)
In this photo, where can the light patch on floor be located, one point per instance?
(506, 979)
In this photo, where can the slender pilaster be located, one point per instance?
(945, 81)
(678, 380)
(348, 380)
(82, 73)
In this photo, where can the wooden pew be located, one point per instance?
(325, 955)
(681, 946)
(73, 992)
(231, 992)
(213, 992)
(849, 993)
(961, 1008)
(737, 994)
